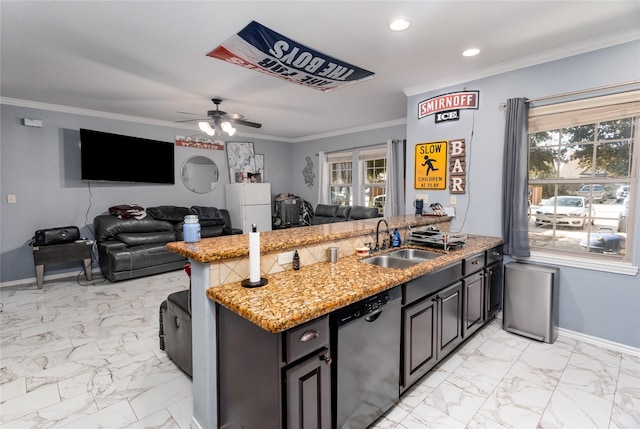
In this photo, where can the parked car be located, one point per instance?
(622, 192)
(565, 211)
(624, 215)
(598, 194)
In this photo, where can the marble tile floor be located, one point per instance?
(83, 355)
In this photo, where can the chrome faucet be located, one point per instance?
(384, 241)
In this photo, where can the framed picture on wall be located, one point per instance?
(240, 157)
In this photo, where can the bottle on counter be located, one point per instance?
(296, 260)
(395, 238)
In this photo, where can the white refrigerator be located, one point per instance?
(249, 203)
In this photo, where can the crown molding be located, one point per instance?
(140, 120)
(118, 117)
(528, 61)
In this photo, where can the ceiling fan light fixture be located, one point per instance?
(231, 131)
(226, 126)
(206, 128)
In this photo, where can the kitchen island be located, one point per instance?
(290, 298)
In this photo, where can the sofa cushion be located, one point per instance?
(205, 232)
(138, 257)
(208, 215)
(324, 214)
(108, 227)
(141, 238)
(342, 215)
(169, 213)
(360, 212)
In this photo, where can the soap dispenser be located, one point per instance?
(395, 238)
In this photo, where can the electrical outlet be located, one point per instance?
(285, 258)
(452, 200)
(11, 199)
(423, 197)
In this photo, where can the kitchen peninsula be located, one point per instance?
(291, 298)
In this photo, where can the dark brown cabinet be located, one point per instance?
(307, 386)
(493, 290)
(473, 289)
(473, 308)
(494, 282)
(273, 380)
(431, 326)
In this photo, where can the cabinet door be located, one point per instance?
(308, 390)
(449, 319)
(493, 290)
(419, 340)
(473, 308)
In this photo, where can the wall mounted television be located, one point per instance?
(117, 158)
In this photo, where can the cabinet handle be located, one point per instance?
(326, 359)
(309, 336)
(475, 262)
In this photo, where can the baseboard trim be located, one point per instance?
(600, 342)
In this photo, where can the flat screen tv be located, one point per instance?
(117, 158)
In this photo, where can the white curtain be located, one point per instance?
(323, 178)
(394, 200)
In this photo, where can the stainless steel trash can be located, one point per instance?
(530, 305)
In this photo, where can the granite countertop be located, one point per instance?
(294, 297)
(230, 246)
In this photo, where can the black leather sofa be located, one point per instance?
(131, 248)
(331, 213)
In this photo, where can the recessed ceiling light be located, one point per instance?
(471, 52)
(399, 24)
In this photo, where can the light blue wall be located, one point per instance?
(41, 166)
(596, 303)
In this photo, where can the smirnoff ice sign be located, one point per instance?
(449, 102)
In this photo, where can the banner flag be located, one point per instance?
(259, 48)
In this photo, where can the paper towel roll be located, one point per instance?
(254, 257)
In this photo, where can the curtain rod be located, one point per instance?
(584, 91)
(577, 92)
(355, 147)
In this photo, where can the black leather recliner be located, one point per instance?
(131, 248)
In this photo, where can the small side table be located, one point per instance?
(56, 253)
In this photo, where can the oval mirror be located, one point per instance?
(200, 174)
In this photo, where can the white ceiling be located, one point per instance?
(147, 59)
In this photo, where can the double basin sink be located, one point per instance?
(403, 258)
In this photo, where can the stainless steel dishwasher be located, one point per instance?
(366, 349)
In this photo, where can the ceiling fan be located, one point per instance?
(221, 120)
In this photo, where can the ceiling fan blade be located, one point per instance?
(192, 120)
(246, 123)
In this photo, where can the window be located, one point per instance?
(582, 174)
(341, 185)
(374, 178)
(370, 177)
